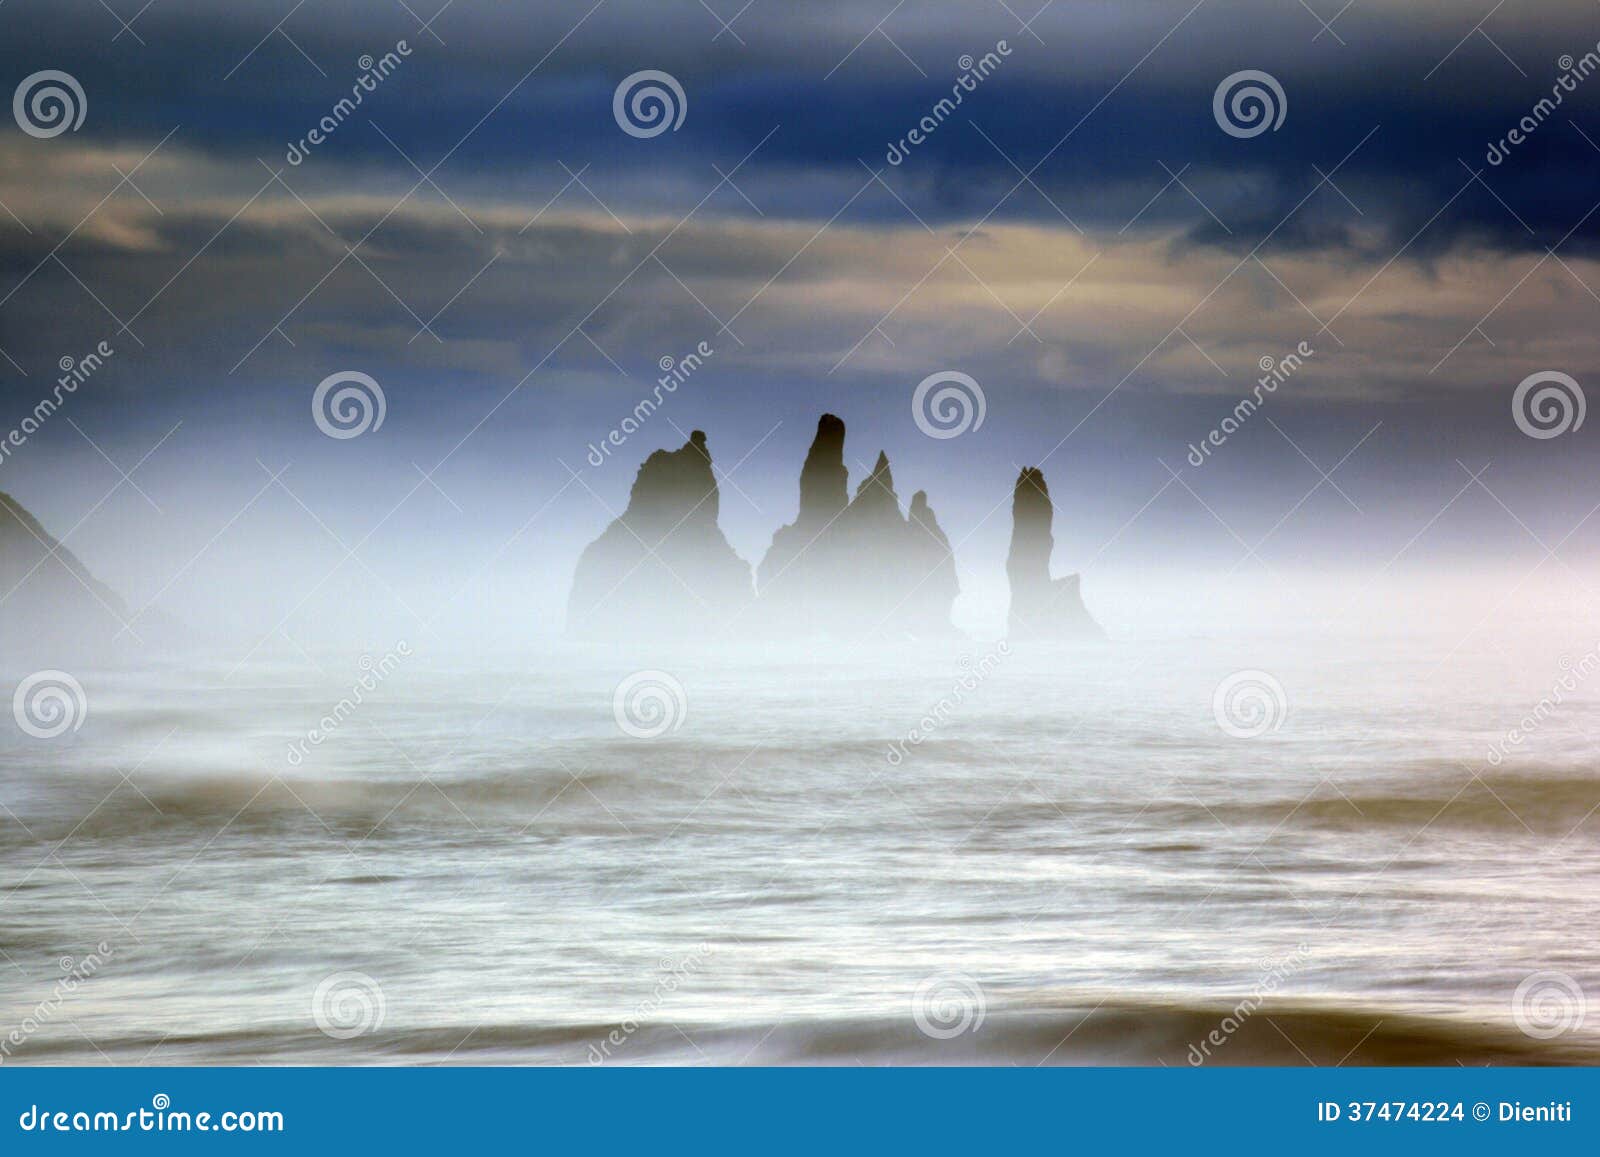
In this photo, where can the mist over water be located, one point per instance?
(692, 592)
(786, 853)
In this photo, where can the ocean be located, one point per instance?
(1162, 851)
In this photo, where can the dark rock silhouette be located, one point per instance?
(824, 479)
(859, 566)
(664, 566)
(789, 573)
(35, 567)
(931, 556)
(846, 567)
(1041, 607)
(47, 596)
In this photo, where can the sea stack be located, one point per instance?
(1041, 607)
(47, 596)
(664, 566)
(856, 567)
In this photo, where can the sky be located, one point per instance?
(1082, 237)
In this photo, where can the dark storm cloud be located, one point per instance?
(1435, 104)
(1111, 117)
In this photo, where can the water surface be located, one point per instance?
(1072, 862)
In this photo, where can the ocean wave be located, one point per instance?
(1544, 800)
(586, 792)
(1140, 1034)
(1549, 800)
(253, 803)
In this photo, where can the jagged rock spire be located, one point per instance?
(663, 566)
(1041, 607)
(824, 480)
(860, 567)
